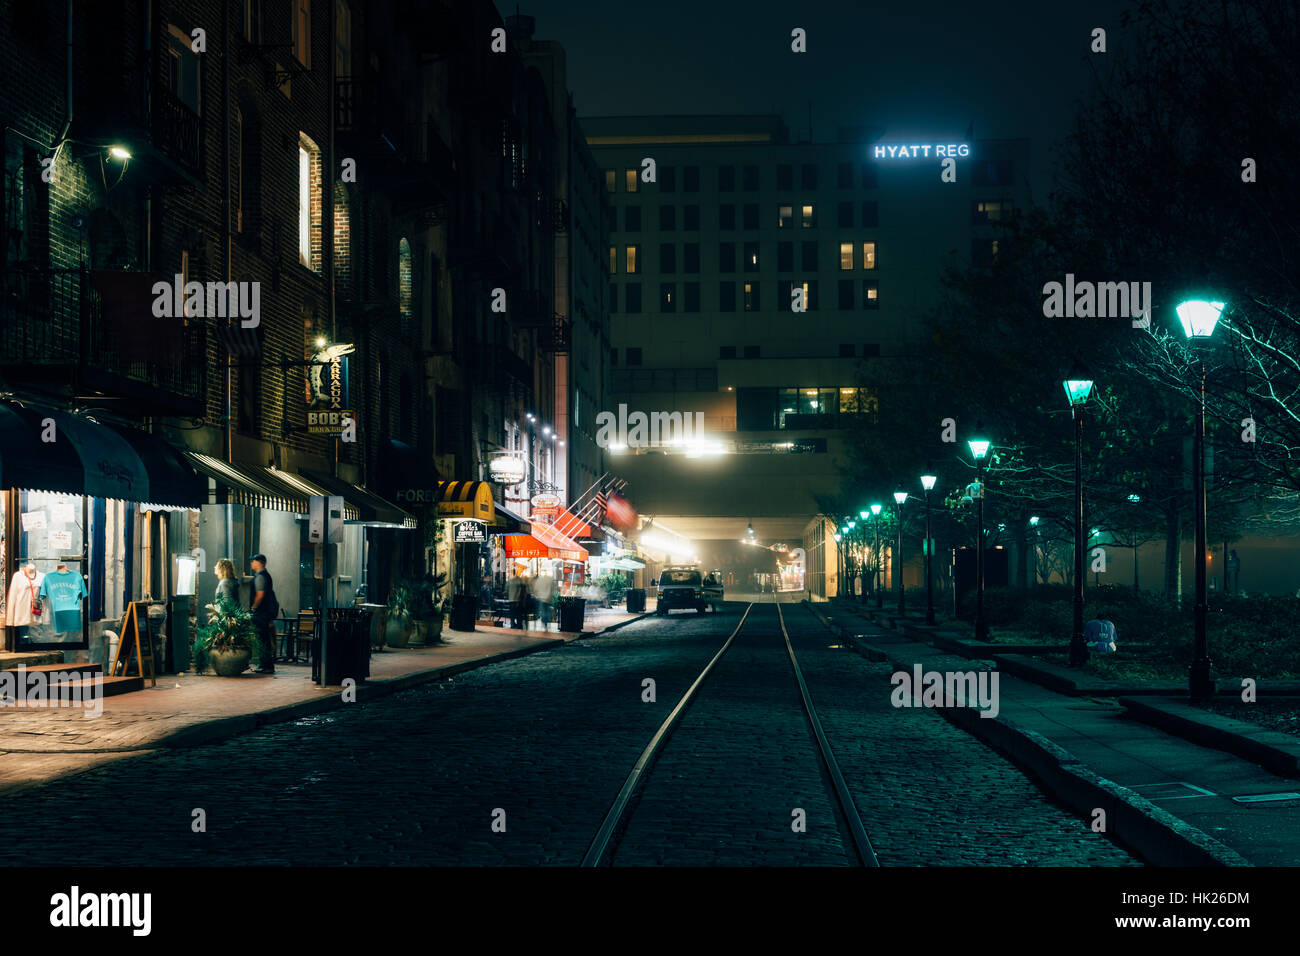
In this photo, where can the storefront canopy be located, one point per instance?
(625, 564)
(248, 484)
(373, 510)
(559, 545)
(466, 499)
(509, 521)
(523, 547)
(572, 526)
(85, 457)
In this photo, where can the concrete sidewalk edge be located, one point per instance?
(1155, 834)
(1276, 752)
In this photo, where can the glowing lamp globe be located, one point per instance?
(1199, 317)
(1077, 390)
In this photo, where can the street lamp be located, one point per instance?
(1135, 499)
(900, 498)
(1199, 317)
(875, 574)
(927, 482)
(979, 448)
(1033, 551)
(1077, 389)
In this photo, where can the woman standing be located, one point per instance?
(227, 583)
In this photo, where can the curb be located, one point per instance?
(1157, 835)
(1271, 749)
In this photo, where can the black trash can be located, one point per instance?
(636, 600)
(572, 611)
(347, 650)
(464, 610)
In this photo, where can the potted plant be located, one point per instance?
(227, 641)
(400, 623)
(425, 609)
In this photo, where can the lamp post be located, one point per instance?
(979, 448)
(900, 498)
(1135, 499)
(1198, 318)
(864, 515)
(1033, 552)
(875, 573)
(1077, 389)
(851, 557)
(927, 482)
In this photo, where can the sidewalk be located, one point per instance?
(40, 744)
(1183, 790)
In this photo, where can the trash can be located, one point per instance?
(572, 611)
(347, 650)
(464, 610)
(636, 600)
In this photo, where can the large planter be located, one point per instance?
(398, 631)
(229, 663)
(419, 633)
(435, 630)
(378, 625)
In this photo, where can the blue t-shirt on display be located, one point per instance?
(64, 589)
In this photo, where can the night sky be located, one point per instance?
(921, 69)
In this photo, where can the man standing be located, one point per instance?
(265, 609)
(517, 593)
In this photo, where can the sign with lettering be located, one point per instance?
(327, 396)
(508, 469)
(470, 532)
(921, 151)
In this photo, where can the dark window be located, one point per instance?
(751, 215)
(808, 176)
(870, 214)
(868, 175)
(667, 179)
(846, 298)
(785, 176)
(691, 218)
(692, 297)
(751, 257)
(668, 297)
(752, 303)
(691, 257)
(691, 179)
(751, 351)
(667, 218)
(632, 218)
(846, 351)
(756, 409)
(726, 179)
(727, 299)
(809, 257)
(667, 258)
(727, 257)
(749, 178)
(632, 298)
(870, 294)
(992, 172)
(983, 252)
(845, 217)
(870, 351)
(785, 257)
(611, 218)
(613, 356)
(727, 216)
(727, 352)
(844, 176)
(613, 299)
(634, 356)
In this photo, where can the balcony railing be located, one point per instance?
(177, 130)
(56, 326)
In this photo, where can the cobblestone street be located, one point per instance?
(542, 744)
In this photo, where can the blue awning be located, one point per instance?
(48, 450)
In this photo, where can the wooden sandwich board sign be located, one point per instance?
(135, 628)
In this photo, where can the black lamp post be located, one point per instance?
(927, 482)
(863, 516)
(979, 448)
(875, 575)
(1077, 389)
(1033, 552)
(900, 498)
(1199, 317)
(1135, 499)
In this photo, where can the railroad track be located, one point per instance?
(854, 836)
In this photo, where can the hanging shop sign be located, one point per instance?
(470, 532)
(327, 395)
(508, 469)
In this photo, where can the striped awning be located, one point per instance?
(256, 486)
(306, 489)
(466, 499)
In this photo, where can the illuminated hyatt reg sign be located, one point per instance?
(923, 151)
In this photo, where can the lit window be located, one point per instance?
(302, 31)
(611, 180)
(613, 260)
(870, 295)
(846, 255)
(785, 217)
(809, 216)
(304, 206)
(869, 255)
(631, 254)
(751, 296)
(630, 179)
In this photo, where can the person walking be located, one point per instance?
(517, 595)
(227, 582)
(265, 609)
(544, 592)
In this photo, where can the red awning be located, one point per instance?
(560, 546)
(571, 526)
(523, 546)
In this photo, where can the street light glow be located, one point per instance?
(875, 510)
(1077, 390)
(927, 482)
(1033, 521)
(900, 496)
(119, 153)
(1199, 317)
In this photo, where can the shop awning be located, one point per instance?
(172, 482)
(523, 546)
(572, 526)
(509, 521)
(466, 499)
(626, 564)
(307, 489)
(373, 510)
(28, 462)
(560, 546)
(248, 484)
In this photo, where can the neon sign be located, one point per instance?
(922, 150)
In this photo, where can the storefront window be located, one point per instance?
(50, 541)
